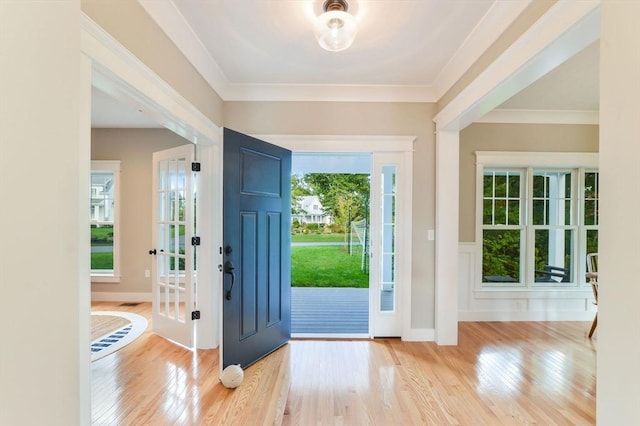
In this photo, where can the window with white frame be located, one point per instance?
(537, 218)
(105, 177)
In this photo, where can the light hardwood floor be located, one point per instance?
(500, 373)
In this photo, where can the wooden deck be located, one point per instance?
(324, 310)
(332, 310)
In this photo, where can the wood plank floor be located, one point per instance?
(500, 373)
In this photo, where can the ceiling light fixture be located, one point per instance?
(335, 29)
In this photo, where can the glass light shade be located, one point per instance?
(335, 30)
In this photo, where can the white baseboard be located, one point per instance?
(420, 335)
(525, 316)
(107, 296)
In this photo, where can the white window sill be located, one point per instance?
(535, 293)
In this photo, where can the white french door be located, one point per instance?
(173, 271)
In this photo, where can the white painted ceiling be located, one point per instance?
(107, 112)
(405, 50)
(272, 42)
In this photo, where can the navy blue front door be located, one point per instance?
(256, 294)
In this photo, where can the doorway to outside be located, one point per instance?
(330, 244)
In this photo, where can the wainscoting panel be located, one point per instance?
(490, 304)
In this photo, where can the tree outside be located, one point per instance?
(324, 260)
(501, 255)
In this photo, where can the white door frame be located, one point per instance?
(117, 72)
(382, 146)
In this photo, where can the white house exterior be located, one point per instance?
(310, 210)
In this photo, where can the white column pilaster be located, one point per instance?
(618, 333)
(447, 213)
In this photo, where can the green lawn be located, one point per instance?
(317, 238)
(328, 266)
(102, 235)
(102, 260)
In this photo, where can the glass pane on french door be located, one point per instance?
(171, 227)
(388, 239)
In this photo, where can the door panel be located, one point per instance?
(256, 227)
(173, 271)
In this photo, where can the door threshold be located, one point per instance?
(332, 336)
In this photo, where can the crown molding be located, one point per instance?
(567, 28)
(328, 93)
(172, 22)
(341, 143)
(168, 17)
(489, 29)
(529, 116)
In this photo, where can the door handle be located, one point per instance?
(229, 269)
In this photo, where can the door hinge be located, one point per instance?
(195, 315)
(195, 166)
(195, 241)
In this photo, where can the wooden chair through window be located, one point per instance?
(592, 276)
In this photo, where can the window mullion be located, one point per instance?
(527, 264)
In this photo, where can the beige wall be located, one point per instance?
(405, 119)
(44, 356)
(512, 137)
(134, 148)
(130, 24)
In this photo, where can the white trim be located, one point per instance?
(518, 304)
(537, 159)
(526, 316)
(169, 18)
(104, 296)
(533, 116)
(341, 143)
(568, 27)
(84, 242)
(446, 242)
(120, 74)
(405, 240)
(487, 31)
(527, 163)
(329, 93)
(172, 22)
(402, 145)
(531, 293)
